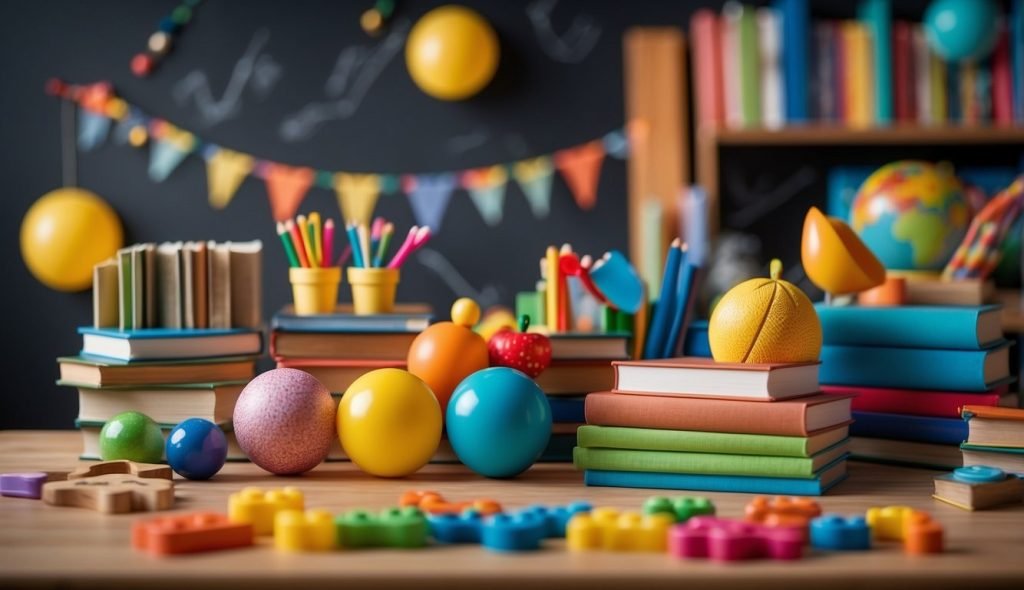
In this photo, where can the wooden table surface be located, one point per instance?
(43, 545)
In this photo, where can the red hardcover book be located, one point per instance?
(903, 72)
(707, 65)
(939, 404)
(1002, 81)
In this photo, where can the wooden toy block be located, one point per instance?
(833, 531)
(295, 530)
(610, 530)
(189, 533)
(784, 511)
(28, 485)
(887, 523)
(404, 528)
(681, 508)
(123, 467)
(434, 503)
(522, 531)
(111, 494)
(258, 508)
(720, 539)
(979, 487)
(557, 517)
(922, 534)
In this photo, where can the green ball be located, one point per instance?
(181, 15)
(133, 436)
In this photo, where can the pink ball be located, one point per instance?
(284, 421)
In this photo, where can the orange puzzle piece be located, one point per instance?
(190, 533)
(921, 534)
(783, 511)
(434, 503)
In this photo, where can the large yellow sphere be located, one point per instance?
(65, 233)
(389, 423)
(452, 53)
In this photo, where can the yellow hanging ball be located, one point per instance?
(452, 53)
(765, 321)
(65, 233)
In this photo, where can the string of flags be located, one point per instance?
(102, 113)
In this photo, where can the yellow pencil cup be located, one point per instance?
(373, 289)
(315, 290)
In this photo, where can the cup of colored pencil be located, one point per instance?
(373, 280)
(313, 271)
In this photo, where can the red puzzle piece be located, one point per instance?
(733, 540)
(190, 533)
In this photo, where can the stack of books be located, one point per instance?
(995, 438)
(694, 424)
(912, 369)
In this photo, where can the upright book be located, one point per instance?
(702, 377)
(912, 326)
(159, 343)
(915, 368)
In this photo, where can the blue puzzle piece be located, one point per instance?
(522, 531)
(833, 531)
(456, 528)
(557, 517)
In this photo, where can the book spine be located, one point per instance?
(1002, 80)
(696, 463)
(940, 431)
(1017, 57)
(773, 106)
(968, 93)
(841, 82)
(922, 76)
(749, 64)
(707, 60)
(704, 483)
(936, 404)
(903, 368)
(859, 89)
(731, 65)
(877, 18)
(904, 78)
(795, 17)
(939, 99)
(919, 327)
(953, 91)
(645, 439)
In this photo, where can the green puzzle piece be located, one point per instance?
(681, 508)
(392, 527)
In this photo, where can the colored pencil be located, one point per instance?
(385, 242)
(318, 244)
(328, 247)
(662, 309)
(406, 244)
(414, 242)
(564, 305)
(297, 242)
(307, 240)
(677, 313)
(353, 240)
(345, 255)
(551, 254)
(364, 245)
(375, 232)
(289, 250)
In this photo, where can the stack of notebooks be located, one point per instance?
(912, 370)
(694, 424)
(995, 438)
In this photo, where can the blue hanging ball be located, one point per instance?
(196, 449)
(961, 29)
(498, 422)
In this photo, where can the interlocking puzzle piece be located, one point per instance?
(681, 508)
(833, 531)
(190, 533)
(112, 494)
(979, 487)
(783, 511)
(404, 528)
(456, 528)
(720, 539)
(28, 485)
(557, 517)
(522, 531)
(434, 503)
(887, 523)
(123, 467)
(258, 507)
(295, 530)
(921, 534)
(608, 529)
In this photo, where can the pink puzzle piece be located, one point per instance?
(23, 485)
(733, 540)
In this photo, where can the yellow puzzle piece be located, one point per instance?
(610, 530)
(295, 530)
(258, 507)
(889, 523)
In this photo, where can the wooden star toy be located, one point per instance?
(114, 493)
(144, 470)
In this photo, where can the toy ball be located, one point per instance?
(196, 449)
(961, 29)
(447, 352)
(284, 421)
(389, 423)
(133, 436)
(452, 53)
(67, 232)
(498, 422)
(912, 215)
(765, 321)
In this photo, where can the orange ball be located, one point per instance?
(447, 352)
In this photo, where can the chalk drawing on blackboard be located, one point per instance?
(752, 203)
(461, 144)
(255, 69)
(435, 261)
(355, 72)
(572, 46)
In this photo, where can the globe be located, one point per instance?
(912, 215)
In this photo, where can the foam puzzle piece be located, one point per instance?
(111, 494)
(189, 533)
(456, 528)
(258, 507)
(833, 531)
(611, 530)
(784, 511)
(557, 517)
(922, 534)
(28, 485)
(312, 530)
(721, 539)
(123, 467)
(522, 531)
(434, 503)
(887, 523)
(404, 528)
(681, 508)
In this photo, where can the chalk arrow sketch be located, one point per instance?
(755, 204)
(254, 69)
(451, 276)
(572, 46)
(355, 71)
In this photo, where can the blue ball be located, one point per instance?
(962, 29)
(196, 449)
(498, 422)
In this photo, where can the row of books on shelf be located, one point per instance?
(772, 66)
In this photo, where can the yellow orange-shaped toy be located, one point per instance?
(447, 352)
(835, 258)
(765, 321)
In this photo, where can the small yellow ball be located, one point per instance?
(465, 312)
(138, 136)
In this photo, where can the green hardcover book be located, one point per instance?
(749, 67)
(689, 441)
(706, 463)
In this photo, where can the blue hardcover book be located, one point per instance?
(877, 18)
(915, 368)
(926, 429)
(1017, 57)
(917, 326)
(410, 319)
(163, 343)
(824, 480)
(796, 38)
(567, 409)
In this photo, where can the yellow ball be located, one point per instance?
(389, 423)
(465, 312)
(452, 53)
(765, 321)
(65, 233)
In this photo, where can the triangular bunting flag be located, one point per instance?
(169, 148)
(357, 196)
(225, 171)
(286, 187)
(390, 183)
(486, 188)
(581, 168)
(429, 195)
(534, 178)
(616, 144)
(92, 129)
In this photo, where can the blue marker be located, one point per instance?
(662, 309)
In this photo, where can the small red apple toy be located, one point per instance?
(528, 352)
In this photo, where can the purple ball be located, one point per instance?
(284, 421)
